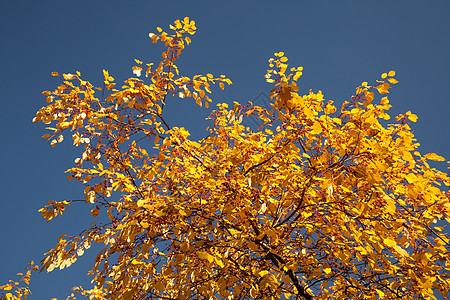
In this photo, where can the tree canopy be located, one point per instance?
(321, 201)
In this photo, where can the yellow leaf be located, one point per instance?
(380, 293)
(263, 273)
(411, 178)
(412, 117)
(297, 75)
(389, 242)
(434, 156)
(136, 262)
(159, 213)
(384, 75)
(219, 262)
(401, 250)
(317, 128)
(369, 96)
(205, 255)
(362, 250)
(390, 205)
(383, 88)
(393, 80)
(6, 287)
(284, 59)
(263, 208)
(391, 73)
(55, 74)
(337, 120)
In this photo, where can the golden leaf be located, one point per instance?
(434, 156)
(94, 212)
(389, 242)
(400, 250)
(383, 88)
(392, 80)
(205, 256)
(412, 117)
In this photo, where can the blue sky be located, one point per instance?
(339, 43)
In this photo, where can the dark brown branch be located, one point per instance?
(266, 160)
(277, 260)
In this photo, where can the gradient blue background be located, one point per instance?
(339, 43)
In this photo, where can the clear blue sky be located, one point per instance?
(339, 43)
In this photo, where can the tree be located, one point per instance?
(319, 202)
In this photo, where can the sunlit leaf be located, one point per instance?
(434, 156)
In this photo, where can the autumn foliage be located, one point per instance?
(319, 202)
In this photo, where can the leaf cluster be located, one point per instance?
(320, 202)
